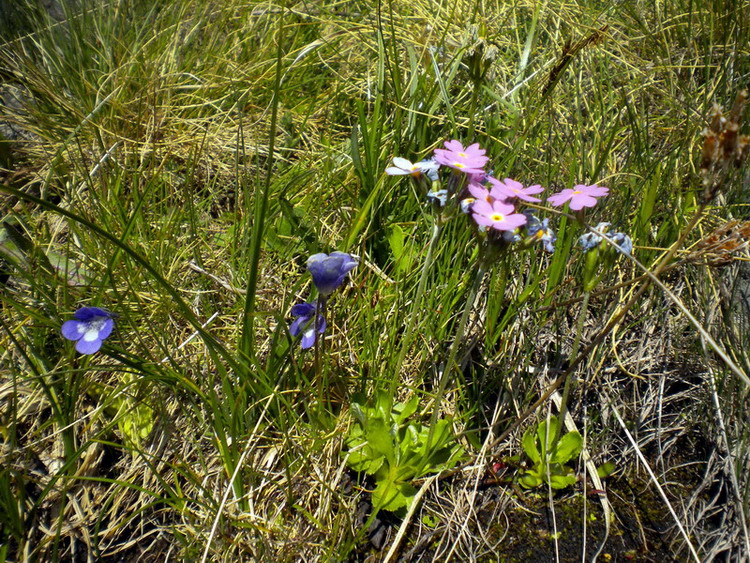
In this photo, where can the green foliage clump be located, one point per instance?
(387, 443)
(550, 455)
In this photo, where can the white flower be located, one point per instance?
(403, 167)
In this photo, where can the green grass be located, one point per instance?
(176, 162)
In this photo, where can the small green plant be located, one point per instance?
(549, 456)
(385, 442)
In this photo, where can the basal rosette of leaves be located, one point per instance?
(549, 458)
(388, 444)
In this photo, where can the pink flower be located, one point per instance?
(510, 189)
(498, 215)
(470, 160)
(480, 192)
(580, 196)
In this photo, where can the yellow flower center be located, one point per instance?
(577, 192)
(497, 217)
(459, 165)
(462, 154)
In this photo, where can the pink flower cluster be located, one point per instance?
(492, 201)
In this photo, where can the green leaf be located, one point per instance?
(568, 447)
(530, 479)
(562, 481)
(405, 410)
(528, 443)
(605, 469)
(391, 496)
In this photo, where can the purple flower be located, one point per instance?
(498, 215)
(580, 196)
(510, 189)
(403, 167)
(470, 160)
(328, 272)
(305, 313)
(90, 327)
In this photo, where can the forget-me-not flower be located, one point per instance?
(89, 328)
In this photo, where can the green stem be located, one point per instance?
(413, 314)
(569, 379)
(451, 363)
(320, 310)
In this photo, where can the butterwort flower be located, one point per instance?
(403, 167)
(579, 196)
(89, 329)
(470, 160)
(304, 324)
(328, 271)
(511, 189)
(498, 215)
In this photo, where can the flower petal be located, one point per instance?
(88, 346)
(72, 330)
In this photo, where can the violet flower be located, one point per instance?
(89, 329)
(579, 196)
(328, 271)
(304, 323)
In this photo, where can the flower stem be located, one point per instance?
(413, 316)
(320, 312)
(569, 379)
(450, 364)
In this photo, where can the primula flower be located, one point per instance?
(305, 313)
(498, 215)
(580, 196)
(328, 272)
(480, 193)
(511, 189)
(403, 167)
(470, 160)
(90, 327)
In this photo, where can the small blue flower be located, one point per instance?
(90, 327)
(540, 230)
(328, 272)
(589, 241)
(623, 241)
(305, 312)
(440, 197)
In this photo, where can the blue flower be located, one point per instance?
(540, 230)
(589, 241)
(328, 272)
(90, 327)
(440, 197)
(305, 312)
(623, 241)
